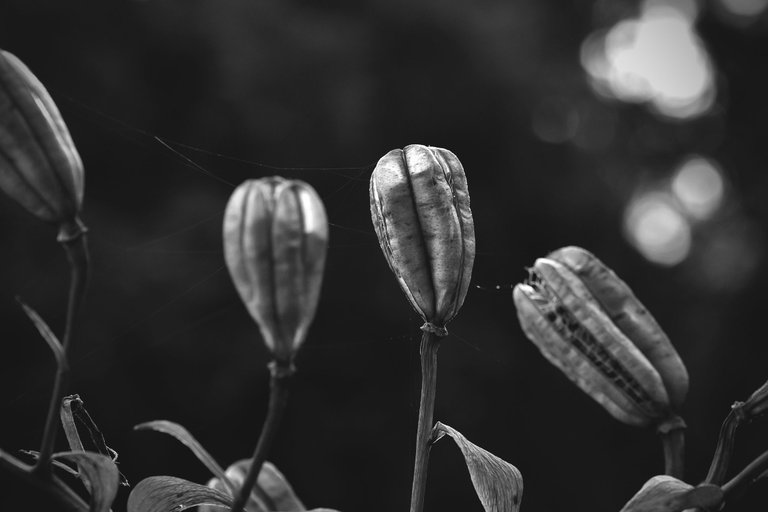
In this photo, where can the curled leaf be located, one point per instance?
(188, 440)
(498, 484)
(100, 475)
(73, 414)
(664, 493)
(168, 493)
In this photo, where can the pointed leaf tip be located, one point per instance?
(498, 484)
(45, 332)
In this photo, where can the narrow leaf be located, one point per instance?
(46, 332)
(171, 494)
(68, 422)
(101, 474)
(498, 484)
(183, 435)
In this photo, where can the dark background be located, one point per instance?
(245, 89)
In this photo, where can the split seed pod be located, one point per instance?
(587, 322)
(275, 242)
(420, 211)
(40, 167)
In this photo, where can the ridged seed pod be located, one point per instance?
(421, 214)
(275, 242)
(40, 167)
(587, 322)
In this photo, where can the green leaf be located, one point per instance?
(47, 334)
(183, 435)
(100, 475)
(498, 484)
(171, 494)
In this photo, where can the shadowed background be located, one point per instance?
(635, 130)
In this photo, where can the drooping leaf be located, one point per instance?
(101, 476)
(498, 484)
(171, 494)
(46, 333)
(664, 493)
(72, 414)
(183, 435)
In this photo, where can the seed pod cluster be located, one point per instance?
(40, 167)
(587, 322)
(421, 214)
(275, 243)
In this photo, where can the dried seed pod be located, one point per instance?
(40, 167)
(420, 211)
(630, 316)
(560, 315)
(667, 494)
(275, 242)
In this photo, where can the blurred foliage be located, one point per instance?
(173, 103)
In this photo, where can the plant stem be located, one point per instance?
(77, 254)
(278, 398)
(672, 432)
(430, 343)
(749, 474)
(725, 444)
(50, 485)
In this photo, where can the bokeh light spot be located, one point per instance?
(746, 8)
(698, 185)
(657, 229)
(657, 58)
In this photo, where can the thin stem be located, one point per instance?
(672, 433)
(430, 343)
(725, 444)
(52, 486)
(77, 255)
(278, 398)
(748, 475)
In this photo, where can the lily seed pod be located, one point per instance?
(664, 493)
(40, 167)
(275, 241)
(420, 211)
(630, 316)
(587, 322)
